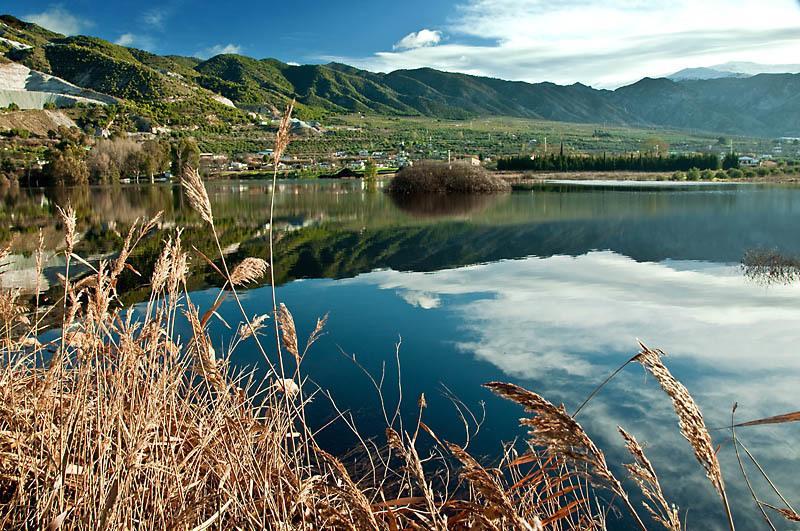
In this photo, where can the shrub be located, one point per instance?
(735, 173)
(720, 175)
(679, 176)
(693, 174)
(707, 175)
(440, 177)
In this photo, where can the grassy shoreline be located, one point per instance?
(535, 177)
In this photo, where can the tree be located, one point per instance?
(731, 161)
(185, 154)
(67, 166)
(154, 158)
(13, 106)
(370, 170)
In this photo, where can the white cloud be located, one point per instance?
(156, 17)
(602, 43)
(56, 18)
(218, 49)
(135, 40)
(519, 313)
(419, 39)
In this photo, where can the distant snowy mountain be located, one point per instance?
(733, 69)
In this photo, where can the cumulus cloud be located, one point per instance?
(519, 312)
(219, 49)
(56, 18)
(135, 40)
(419, 39)
(605, 44)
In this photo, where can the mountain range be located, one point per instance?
(178, 90)
(735, 69)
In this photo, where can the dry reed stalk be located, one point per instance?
(197, 195)
(283, 135)
(644, 475)
(789, 515)
(413, 465)
(288, 331)
(254, 327)
(70, 222)
(497, 504)
(553, 428)
(690, 419)
(206, 359)
(249, 270)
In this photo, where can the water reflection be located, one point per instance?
(549, 288)
(559, 325)
(444, 206)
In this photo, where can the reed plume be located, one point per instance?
(197, 195)
(288, 331)
(249, 270)
(252, 328)
(497, 504)
(690, 419)
(283, 135)
(553, 428)
(644, 475)
(70, 222)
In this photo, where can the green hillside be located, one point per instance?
(176, 89)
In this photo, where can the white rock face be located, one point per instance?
(14, 44)
(223, 100)
(31, 89)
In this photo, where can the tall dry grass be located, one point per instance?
(119, 422)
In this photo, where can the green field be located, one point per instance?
(491, 137)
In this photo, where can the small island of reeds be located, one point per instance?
(446, 178)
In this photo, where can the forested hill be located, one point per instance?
(763, 105)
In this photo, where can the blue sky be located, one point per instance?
(602, 43)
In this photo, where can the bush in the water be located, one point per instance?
(441, 177)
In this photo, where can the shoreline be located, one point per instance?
(535, 177)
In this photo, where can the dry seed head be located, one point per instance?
(255, 326)
(288, 331)
(690, 419)
(644, 475)
(205, 357)
(553, 428)
(197, 194)
(249, 270)
(179, 266)
(496, 499)
(286, 386)
(70, 222)
(161, 268)
(790, 515)
(282, 137)
(315, 335)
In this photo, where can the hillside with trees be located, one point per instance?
(161, 87)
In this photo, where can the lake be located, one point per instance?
(549, 288)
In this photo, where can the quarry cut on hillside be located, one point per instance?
(30, 89)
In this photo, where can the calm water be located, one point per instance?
(549, 289)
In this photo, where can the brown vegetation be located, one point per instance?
(443, 178)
